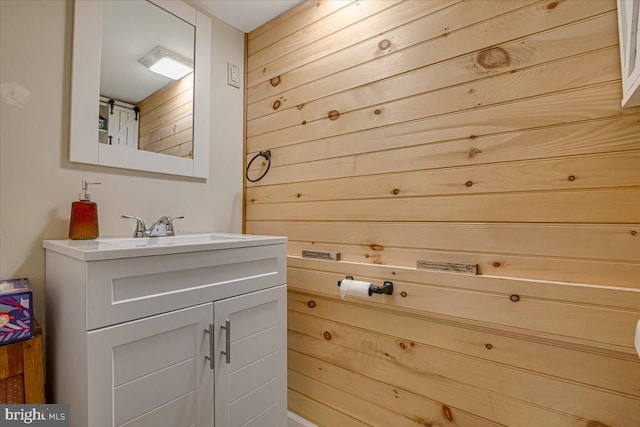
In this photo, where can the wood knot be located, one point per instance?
(253, 200)
(552, 5)
(446, 412)
(300, 106)
(377, 111)
(375, 247)
(384, 44)
(311, 304)
(274, 81)
(488, 346)
(634, 232)
(333, 115)
(298, 195)
(571, 178)
(468, 183)
(326, 335)
(514, 298)
(493, 58)
(496, 264)
(396, 191)
(403, 294)
(402, 345)
(304, 122)
(276, 104)
(474, 152)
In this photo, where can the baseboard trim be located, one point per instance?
(296, 420)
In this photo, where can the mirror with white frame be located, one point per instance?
(113, 121)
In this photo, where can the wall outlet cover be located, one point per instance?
(233, 75)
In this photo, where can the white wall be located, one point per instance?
(37, 182)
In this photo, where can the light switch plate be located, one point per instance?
(233, 75)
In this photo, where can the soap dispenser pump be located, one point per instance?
(84, 216)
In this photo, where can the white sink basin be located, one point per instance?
(186, 239)
(113, 248)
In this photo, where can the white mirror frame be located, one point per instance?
(85, 94)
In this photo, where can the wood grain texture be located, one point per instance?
(425, 360)
(33, 371)
(11, 360)
(318, 31)
(605, 370)
(291, 21)
(587, 104)
(608, 171)
(559, 43)
(610, 242)
(409, 408)
(584, 323)
(474, 132)
(594, 206)
(440, 43)
(519, 83)
(166, 119)
(581, 293)
(22, 371)
(620, 274)
(456, 394)
(321, 414)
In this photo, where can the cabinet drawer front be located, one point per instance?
(126, 289)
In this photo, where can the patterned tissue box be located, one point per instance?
(16, 310)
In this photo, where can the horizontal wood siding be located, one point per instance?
(453, 131)
(166, 119)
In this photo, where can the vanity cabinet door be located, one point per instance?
(152, 371)
(251, 359)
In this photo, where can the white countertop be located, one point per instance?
(114, 248)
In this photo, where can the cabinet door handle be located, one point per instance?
(227, 352)
(210, 331)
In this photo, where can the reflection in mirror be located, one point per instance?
(146, 79)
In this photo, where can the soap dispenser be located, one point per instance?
(84, 216)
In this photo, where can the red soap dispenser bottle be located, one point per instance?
(84, 216)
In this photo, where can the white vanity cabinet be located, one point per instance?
(168, 331)
(629, 31)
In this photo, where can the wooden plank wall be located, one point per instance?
(486, 132)
(166, 119)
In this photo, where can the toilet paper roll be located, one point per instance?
(354, 288)
(638, 338)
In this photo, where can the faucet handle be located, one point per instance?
(140, 227)
(170, 231)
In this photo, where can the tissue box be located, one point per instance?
(16, 310)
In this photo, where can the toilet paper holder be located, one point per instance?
(386, 288)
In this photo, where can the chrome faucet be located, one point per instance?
(162, 227)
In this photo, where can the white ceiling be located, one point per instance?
(130, 30)
(246, 15)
